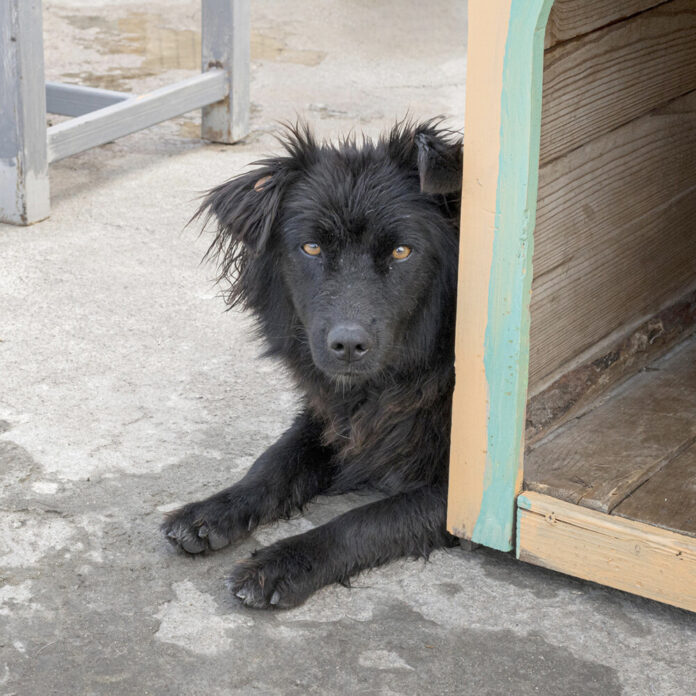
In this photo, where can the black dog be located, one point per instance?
(347, 255)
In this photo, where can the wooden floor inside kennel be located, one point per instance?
(611, 495)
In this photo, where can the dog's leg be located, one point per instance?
(285, 477)
(287, 572)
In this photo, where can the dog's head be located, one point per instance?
(346, 253)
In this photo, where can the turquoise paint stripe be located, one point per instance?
(524, 502)
(506, 357)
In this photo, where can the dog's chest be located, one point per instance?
(384, 439)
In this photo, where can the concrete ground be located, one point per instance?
(125, 390)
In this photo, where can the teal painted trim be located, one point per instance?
(506, 356)
(524, 502)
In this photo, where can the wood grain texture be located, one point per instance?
(668, 499)
(571, 18)
(24, 185)
(613, 551)
(614, 239)
(598, 460)
(493, 321)
(577, 390)
(487, 31)
(111, 122)
(225, 44)
(76, 100)
(611, 76)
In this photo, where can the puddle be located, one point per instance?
(265, 47)
(162, 47)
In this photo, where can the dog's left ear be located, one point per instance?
(439, 161)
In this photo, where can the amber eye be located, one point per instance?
(311, 248)
(401, 252)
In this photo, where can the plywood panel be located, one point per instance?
(601, 458)
(668, 499)
(571, 18)
(611, 76)
(615, 235)
(620, 553)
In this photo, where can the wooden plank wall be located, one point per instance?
(615, 239)
(571, 18)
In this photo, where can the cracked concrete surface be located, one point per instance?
(126, 389)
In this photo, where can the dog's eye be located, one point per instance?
(401, 252)
(311, 248)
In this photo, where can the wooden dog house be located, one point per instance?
(574, 425)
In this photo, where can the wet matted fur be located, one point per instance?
(347, 255)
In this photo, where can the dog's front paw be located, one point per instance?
(279, 576)
(199, 527)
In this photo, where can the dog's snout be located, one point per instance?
(348, 342)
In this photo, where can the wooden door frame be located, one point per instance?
(505, 58)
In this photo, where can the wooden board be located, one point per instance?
(614, 239)
(499, 193)
(101, 126)
(24, 185)
(576, 391)
(601, 458)
(668, 499)
(571, 18)
(620, 553)
(611, 76)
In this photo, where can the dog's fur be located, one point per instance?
(379, 421)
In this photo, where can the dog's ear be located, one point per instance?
(439, 161)
(246, 208)
(431, 151)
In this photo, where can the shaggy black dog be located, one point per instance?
(347, 255)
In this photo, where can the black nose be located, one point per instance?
(348, 342)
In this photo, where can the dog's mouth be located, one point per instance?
(348, 376)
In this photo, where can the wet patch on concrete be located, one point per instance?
(449, 589)
(542, 583)
(382, 659)
(158, 45)
(17, 467)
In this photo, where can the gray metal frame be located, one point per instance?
(27, 145)
(24, 194)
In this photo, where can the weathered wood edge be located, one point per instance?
(632, 556)
(24, 185)
(506, 353)
(225, 44)
(125, 117)
(572, 394)
(76, 100)
(487, 31)
(492, 466)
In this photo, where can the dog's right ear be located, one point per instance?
(246, 208)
